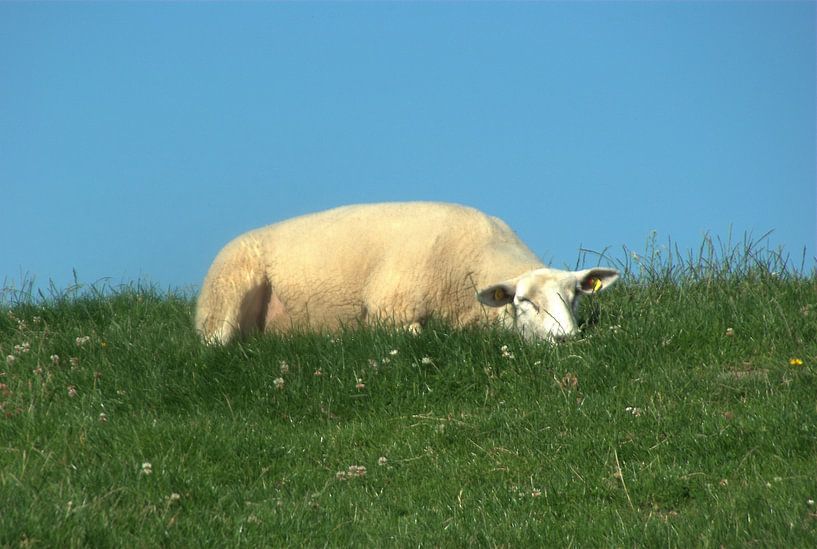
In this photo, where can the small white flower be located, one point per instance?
(284, 367)
(22, 348)
(356, 471)
(279, 383)
(393, 352)
(633, 410)
(382, 460)
(72, 391)
(55, 360)
(83, 340)
(103, 417)
(147, 468)
(173, 498)
(10, 359)
(427, 360)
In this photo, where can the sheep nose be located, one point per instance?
(560, 338)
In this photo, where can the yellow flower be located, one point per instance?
(796, 361)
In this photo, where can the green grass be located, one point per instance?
(655, 428)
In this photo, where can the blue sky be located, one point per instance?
(137, 139)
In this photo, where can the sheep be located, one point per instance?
(399, 263)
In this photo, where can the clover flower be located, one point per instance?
(353, 471)
(279, 383)
(633, 410)
(22, 348)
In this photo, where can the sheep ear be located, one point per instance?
(498, 295)
(591, 281)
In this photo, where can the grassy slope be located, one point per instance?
(656, 428)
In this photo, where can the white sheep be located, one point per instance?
(394, 262)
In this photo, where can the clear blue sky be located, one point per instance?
(137, 139)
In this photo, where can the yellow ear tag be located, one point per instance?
(596, 284)
(499, 294)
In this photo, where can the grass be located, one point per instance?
(676, 420)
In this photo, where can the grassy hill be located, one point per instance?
(685, 415)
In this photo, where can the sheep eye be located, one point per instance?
(525, 299)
